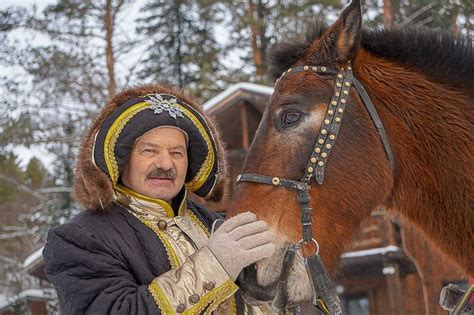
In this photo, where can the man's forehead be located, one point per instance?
(160, 136)
(145, 143)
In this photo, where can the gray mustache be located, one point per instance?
(159, 172)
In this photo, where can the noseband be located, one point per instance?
(324, 294)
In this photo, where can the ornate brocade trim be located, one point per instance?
(196, 220)
(161, 203)
(214, 298)
(172, 256)
(160, 298)
(112, 135)
(118, 125)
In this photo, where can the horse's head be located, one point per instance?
(357, 175)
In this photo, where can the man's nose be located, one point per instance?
(164, 161)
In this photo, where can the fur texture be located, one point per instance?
(93, 188)
(421, 83)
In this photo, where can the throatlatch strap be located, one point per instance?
(376, 119)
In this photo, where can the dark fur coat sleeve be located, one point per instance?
(91, 276)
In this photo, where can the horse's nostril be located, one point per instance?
(251, 290)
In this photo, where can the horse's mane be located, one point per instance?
(437, 54)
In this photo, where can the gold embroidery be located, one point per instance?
(195, 219)
(118, 125)
(233, 305)
(206, 167)
(113, 134)
(214, 297)
(160, 299)
(172, 256)
(163, 204)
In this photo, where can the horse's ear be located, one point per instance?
(346, 32)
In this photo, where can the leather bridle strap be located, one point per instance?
(274, 181)
(376, 119)
(324, 293)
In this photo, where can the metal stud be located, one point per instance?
(343, 101)
(339, 76)
(275, 181)
(334, 103)
(324, 131)
(310, 169)
(340, 110)
(338, 84)
(349, 68)
(313, 160)
(289, 70)
(337, 119)
(314, 68)
(327, 121)
(321, 163)
(323, 69)
(317, 150)
(328, 146)
(321, 141)
(306, 68)
(337, 93)
(345, 92)
(330, 112)
(347, 84)
(332, 137)
(324, 154)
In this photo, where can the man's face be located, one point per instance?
(158, 164)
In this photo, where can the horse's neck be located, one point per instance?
(430, 128)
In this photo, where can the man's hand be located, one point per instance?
(241, 241)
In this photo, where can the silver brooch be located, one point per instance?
(159, 105)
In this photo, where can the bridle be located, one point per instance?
(324, 293)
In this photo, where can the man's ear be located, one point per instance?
(343, 38)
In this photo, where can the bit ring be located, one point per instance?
(300, 244)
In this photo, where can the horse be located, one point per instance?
(414, 157)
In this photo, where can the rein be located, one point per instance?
(325, 296)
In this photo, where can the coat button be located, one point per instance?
(194, 298)
(162, 225)
(209, 285)
(181, 308)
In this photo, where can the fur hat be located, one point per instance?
(133, 112)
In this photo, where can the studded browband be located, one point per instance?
(324, 294)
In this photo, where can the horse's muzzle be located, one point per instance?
(252, 292)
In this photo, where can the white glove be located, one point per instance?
(241, 241)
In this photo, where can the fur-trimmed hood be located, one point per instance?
(93, 186)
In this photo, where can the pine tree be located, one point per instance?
(181, 45)
(257, 25)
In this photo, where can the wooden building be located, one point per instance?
(389, 269)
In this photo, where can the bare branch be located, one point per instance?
(416, 14)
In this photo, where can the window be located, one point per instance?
(356, 305)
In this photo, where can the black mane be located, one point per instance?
(437, 54)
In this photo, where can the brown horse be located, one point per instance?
(422, 85)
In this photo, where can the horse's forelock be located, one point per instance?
(287, 53)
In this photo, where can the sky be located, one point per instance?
(127, 23)
(24, 153)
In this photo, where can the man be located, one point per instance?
(141, 247)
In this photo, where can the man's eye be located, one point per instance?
(291, 117)
(177, 154)
(148, 151)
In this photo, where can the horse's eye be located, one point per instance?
(291, 117)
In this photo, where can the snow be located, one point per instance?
(372, 251)
(28, 293)
(233, 89)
